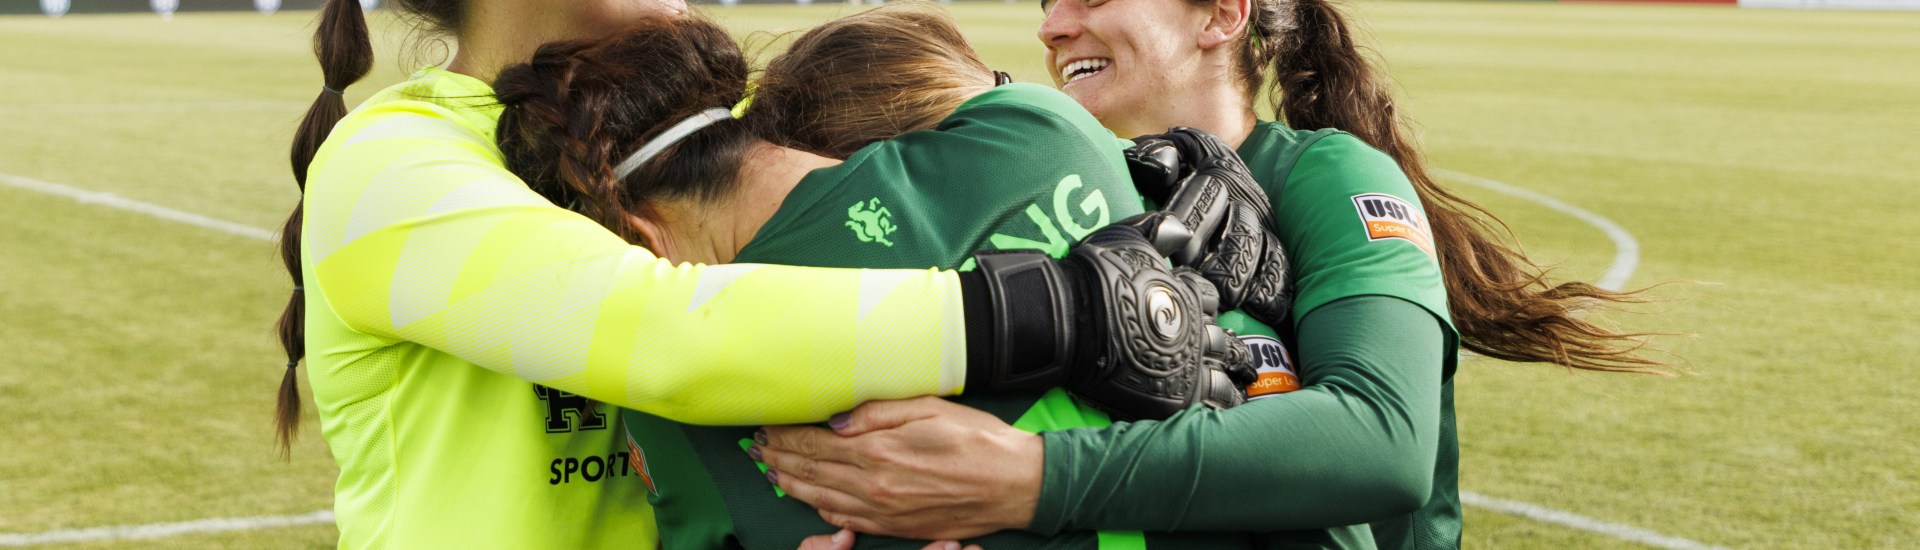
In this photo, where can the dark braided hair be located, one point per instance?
(345, 51)
(581, 106)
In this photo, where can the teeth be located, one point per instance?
(1083, 68)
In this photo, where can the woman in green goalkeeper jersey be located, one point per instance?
(818, 182)
(1392, 276)
(466, 337)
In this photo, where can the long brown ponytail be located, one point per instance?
(346, 55)
(581, 106)
(1500, 301)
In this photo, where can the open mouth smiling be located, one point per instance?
(1083, 68)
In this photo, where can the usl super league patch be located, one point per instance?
(1275, 366)
(1390, 217)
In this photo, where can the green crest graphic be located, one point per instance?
(871, 222)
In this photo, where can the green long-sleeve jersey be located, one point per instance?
(1018, 167)
(1370, 436)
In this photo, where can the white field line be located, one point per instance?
(1583, 523)
(1626, 249)
(250, 106)
(111, 200)
(162, 530)
(1626, 259)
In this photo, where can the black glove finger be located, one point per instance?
(1197, 146)
(1209, 295)
(1202, 152)
(1233, 259)
(1222, 392)
(1155, 167)
(1200, 202)
(1239, 362)
(1269, 295)
(1165, 234)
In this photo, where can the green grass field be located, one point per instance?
(1767, 157)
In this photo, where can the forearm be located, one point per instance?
(1357, 443)
(540, 294)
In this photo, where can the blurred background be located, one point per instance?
(1763, 162)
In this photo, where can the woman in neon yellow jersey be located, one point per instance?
(464, 333)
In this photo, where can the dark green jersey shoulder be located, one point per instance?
(1018, 167)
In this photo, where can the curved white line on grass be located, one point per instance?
(162, 530)
(1626, 258)
(1583, 523)
(1626, 249)
(111, 200)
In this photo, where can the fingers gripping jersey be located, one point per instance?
(432, 272)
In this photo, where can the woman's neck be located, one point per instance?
(714, 232)
(1219, 106)
(499, 33)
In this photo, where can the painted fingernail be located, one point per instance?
(754, 452)
(840, 421)
(760, 436)
(773, 477)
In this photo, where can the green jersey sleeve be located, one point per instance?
(417, 233)
(1370, 326)
(1355, 444)
(1349, 219)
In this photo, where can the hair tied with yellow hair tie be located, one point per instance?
(740, 109)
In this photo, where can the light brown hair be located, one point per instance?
(1500, 301)
(867, 77)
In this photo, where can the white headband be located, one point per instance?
(668, 138)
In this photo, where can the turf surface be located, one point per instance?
(1766, 156)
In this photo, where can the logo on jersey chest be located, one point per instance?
(1274, 365)
(871, 222)
(567, 412)
(1390, 217)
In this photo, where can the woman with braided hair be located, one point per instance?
(876, 140)
(1392, 275)
(467, 337)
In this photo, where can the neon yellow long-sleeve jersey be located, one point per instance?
(465, 338)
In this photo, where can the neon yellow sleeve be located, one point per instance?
(417, 233)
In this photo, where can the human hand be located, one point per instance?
(1129, 335)
(922, 468)
(843, 540)
(1199, 180)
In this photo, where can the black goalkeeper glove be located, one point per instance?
(1111, 322)
(1201, 181)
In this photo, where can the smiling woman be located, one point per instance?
(1393, 275)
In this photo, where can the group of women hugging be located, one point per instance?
(604, 280)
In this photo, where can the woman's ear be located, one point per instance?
(653, 235)
(1228, 18)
